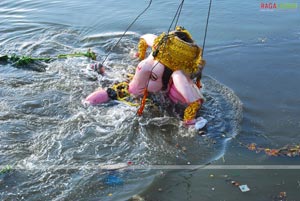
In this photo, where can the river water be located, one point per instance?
(58, 148)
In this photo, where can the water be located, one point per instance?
(57, 146)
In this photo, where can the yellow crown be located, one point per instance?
(176, 53)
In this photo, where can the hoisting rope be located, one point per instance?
(130, 25)
(198, 78)
(207, 20)
(288, 150)
(179, 12)
(177, 15)
(162, 42)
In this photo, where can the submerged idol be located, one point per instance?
(175, 61)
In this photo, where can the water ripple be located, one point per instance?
(46, 126)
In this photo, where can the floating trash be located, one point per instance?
(288, 150)
(137, 198)
(281, 197)
(5, 170)
(201, 133)
(282, 194)
(201, 122)
(113, 180)
(235, 183)
(244, 188)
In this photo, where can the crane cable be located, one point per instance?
(199, 76)
(205, 33)
(129, 26)
(145, 93)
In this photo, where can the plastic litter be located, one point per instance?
(97, 67)
(201, 122)
(244, 188)
(202, 133)
(113, 180)
(235, 183)
(282, 194)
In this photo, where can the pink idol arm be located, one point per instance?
(97, 97)
(141, 77)
(149, 38)
(146, 41)
(183, 90)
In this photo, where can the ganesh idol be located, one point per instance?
(172, 66)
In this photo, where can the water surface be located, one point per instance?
(57, 145)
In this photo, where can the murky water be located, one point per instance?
(57, 146)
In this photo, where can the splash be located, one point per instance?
(56, 144)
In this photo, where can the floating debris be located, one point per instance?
(288, 150)
(282, 194)
(281, 197)
(235, 183)
(162, 174)
(36, 64)
(244, 188)
(5, 170)
(137, 198)
(201, 122)
(262, 40)
(113, 180)
(201, 133)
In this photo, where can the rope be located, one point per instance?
(198, 78)
(207, 20)
(130, 25)
(164, 41)
(177, 15)
(180, 8)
